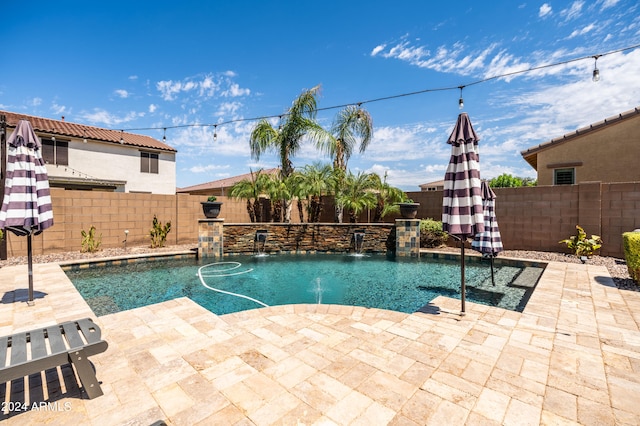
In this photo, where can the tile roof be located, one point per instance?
(531, 154)
(66, 128)
(224, 183)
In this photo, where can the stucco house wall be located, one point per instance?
(120, 163)
(607, 151)
(102, 159)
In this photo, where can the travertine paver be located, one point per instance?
(572, 357)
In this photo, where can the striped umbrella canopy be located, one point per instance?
(462, 211)
(26, 207)
(489, 242)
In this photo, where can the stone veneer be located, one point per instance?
(210, 238)
(408, 237)
(309, 237)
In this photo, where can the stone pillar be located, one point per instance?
(210, 238)
(408, 237)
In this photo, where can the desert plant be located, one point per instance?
(581, 245)
(90, 242)
(212, 199)
(158, 233)
(631, 242)
(431, 233)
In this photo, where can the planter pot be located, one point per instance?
(409, 210)
(211, 209)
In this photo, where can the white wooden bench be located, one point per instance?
(30, 352)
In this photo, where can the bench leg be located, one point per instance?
(87, 374)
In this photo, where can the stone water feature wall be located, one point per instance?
(308, 237)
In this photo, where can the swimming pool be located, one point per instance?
(371, 281)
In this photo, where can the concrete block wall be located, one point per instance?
(533, 218)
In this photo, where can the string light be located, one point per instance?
(595, 77)
(84, 135)
(596, 71)
(121, 137)
(215, 132)
(164, 136)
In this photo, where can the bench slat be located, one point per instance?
(64, 349)
(55, 339)
(4, 347)
(18, 348)
(73, 335)
(38, 345)
(90, 330)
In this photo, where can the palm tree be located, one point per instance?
(352, 124)
(387, 198)
(280, 191)
(311, 184)
(358, 194)
(295, 124)
(250, 190)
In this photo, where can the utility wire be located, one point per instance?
(402, 95)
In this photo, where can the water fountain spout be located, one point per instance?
(358, 241)
(260, 241)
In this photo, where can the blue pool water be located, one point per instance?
(370, 281)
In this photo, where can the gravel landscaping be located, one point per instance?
(616, 267)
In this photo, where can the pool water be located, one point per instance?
(371, 281)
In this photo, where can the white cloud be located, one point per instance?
(234, 90)
(133, 77)
(582, 31)
(36, 102)
(545, 10)
(59, 109)
(609, 3)
(573, 11)
(153, 108)
(207, 86)
(103, 117)
(121, 93)
(378, 49)
(208, 168)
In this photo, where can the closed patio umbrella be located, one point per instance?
(489, 242)
(26, 207)
(462, 213)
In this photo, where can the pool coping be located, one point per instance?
(571, 357)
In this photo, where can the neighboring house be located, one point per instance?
(91, 158)
(607, 151)
(432, 186)
(221, 187)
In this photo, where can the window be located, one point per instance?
(148, 162)
(55, 152)
(564, 176)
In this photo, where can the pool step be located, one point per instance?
(503, 274)
(528, 278)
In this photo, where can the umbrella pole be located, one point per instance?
(30, 301)
(462, 280)
(493, 281)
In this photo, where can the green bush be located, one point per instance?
(631, 241)
(581, 245)
(90, 243)
(159, 233)
(431, 233)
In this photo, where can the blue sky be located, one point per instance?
(157, 64)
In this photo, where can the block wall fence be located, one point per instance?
(533, 218)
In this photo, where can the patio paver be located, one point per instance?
(572, 357)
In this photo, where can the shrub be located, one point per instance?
(581, 245)
(90, 243)
(631, 241)
(212, 198)
(431, 233)
(159, 233)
